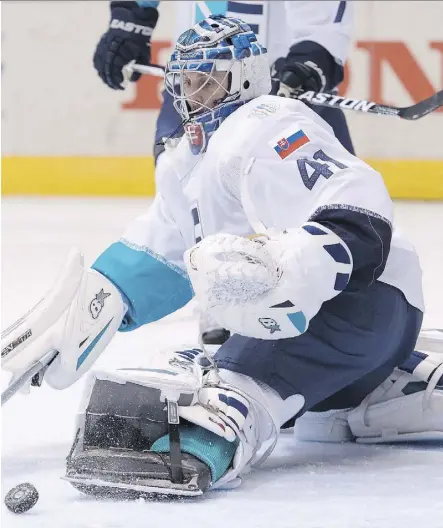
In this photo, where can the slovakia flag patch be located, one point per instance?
(287, 145)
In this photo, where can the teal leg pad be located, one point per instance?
(213, 450)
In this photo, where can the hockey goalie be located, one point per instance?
(287, 240)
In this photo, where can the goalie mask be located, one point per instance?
(216, 66)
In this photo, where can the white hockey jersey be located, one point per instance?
(278, 24)
(274, 163)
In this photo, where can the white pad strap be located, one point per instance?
(427, 368)
(174, 371)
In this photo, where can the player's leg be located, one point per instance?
(171, 427)
(336, 118)
(359, 335)
(229, 414)
(363, 340)
(371, 334)
(352, 335)
(407, 406)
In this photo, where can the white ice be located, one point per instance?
(303, 485)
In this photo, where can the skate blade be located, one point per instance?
(430, 436)
(156, 488)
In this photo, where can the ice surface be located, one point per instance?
(303, 485)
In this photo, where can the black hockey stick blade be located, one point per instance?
(423, 107)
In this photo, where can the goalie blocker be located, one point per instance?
(75, 321)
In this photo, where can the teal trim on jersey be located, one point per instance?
(216, 8)
(213, 450)
(88, 350)
(298, 319)
(142, 3)
(151, 286)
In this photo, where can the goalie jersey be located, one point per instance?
(273, 164)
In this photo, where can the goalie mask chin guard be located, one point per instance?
(229, 67)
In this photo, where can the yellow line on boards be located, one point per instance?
(134, 176)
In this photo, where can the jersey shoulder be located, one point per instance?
(253, 129)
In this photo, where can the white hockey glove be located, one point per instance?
(77, 319)
(270, 286)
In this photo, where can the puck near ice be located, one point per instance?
(21, 498)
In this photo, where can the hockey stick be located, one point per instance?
(335, 101)
(407, 112)
(37, 369)
(153, 69)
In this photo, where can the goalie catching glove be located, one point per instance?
(269, 286)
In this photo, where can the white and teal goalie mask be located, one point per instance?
(216, 66)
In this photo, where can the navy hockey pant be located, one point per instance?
(169, 124)
(351, 346)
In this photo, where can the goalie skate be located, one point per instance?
(111, 455)
(125, 474)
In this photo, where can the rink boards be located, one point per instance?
(66, 133)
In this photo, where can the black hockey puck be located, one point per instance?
(21, 498)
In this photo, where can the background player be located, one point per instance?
(307, 41)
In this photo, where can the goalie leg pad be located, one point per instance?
(129, 435)
(408, 406)
(112, 450)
